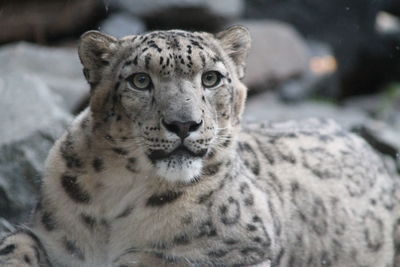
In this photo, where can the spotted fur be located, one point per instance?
(124, 188)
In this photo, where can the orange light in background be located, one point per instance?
(323, 65)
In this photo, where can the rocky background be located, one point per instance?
(331, 58)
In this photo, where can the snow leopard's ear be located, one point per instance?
(95, 51)
(236, 42)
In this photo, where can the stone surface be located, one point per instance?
(31, 120)
(349, 28)
(319, 78)
(384, 106)
(278, 53)
(42, 21)
(122, 24)
(5, 227)
(58, 68)
(267, 106)
(385, 138)
(207, 15)
(143, 8)
(371, 104)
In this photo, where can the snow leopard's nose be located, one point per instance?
(182, 129)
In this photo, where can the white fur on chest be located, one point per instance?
(143, 226)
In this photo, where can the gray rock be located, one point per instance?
(5, 227)
(122, 24)
(371, 104)
(44, 21)
(205, 15)
(144, 8)
(384, 106)
(31, 120)
(57, 68)
(349, 28)
(318, 79)
(383, 138)
(268, 107)
(278, 53)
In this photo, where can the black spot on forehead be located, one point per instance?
(172, 40)
(166, 52)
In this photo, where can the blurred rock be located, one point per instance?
(392, 6)
(318, 80)
(122, 24)
(278, 53)
(208, 15)
(384, 106)
(371, 104)
(383, 137)
(58, 68)
(5, 227)
(268, 107)
(143, 8)
(349, 28)
(393, 166)
(343, 24)
(386, 23)
(31, 120)
(45, 20)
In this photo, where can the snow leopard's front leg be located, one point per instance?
(23, 249)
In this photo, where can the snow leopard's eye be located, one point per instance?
(211, 79)
(140, 81)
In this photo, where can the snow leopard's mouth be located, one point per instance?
(180, 165)
(181, 152)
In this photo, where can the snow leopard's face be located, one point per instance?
(177, 95)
